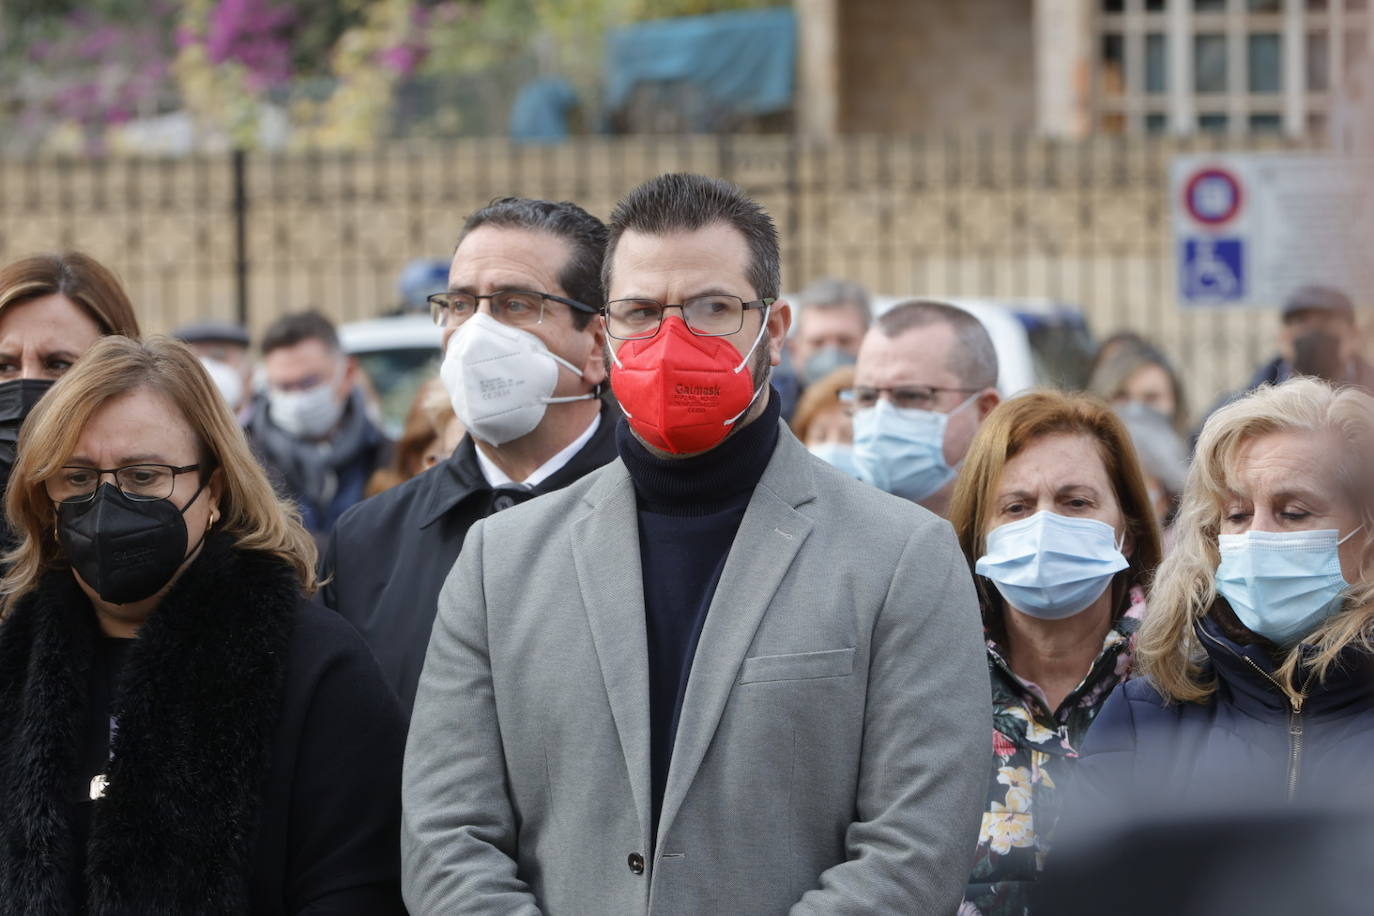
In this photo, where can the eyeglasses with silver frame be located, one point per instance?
(515, 307)
(906, 397)
(705, 316)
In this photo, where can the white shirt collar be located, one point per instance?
(498, 478)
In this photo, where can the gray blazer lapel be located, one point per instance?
(769, 537)
(606, 553)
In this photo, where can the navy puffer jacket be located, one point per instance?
(1248, 738)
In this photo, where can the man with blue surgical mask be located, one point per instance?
(925, 380)
(834, 315)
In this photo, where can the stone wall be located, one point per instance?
(923, 65)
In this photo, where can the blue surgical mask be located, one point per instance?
(1052, 566)
(1282, 584)
(823, 362)
(837, 454)
(901, 450)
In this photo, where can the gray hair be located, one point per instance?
(973, 358)
(686, 203)
(835, 293)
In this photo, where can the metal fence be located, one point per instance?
(259, 234)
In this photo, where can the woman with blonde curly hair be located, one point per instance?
(1257, 656)
(181, 728)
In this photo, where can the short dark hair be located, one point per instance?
(685, 203)
(289, 330)
(584, 233)
(973, 358)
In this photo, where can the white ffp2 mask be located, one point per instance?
(310, 414)
(501, 379)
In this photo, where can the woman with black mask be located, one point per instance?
(52, 308)
(181, 729)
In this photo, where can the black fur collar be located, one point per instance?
(197, 705)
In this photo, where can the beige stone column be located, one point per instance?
(1063, 67)
(818, 68)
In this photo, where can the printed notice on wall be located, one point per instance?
(1250, 228)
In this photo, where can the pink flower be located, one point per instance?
(1002, 746)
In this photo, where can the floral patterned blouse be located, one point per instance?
(1033, 750)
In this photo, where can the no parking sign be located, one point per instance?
(1250, 228)
(1213, 196)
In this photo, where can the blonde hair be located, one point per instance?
(819, 397)
(1168, 651)
(1009, 429)
(113, 367)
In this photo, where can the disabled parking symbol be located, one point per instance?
(1213, 269)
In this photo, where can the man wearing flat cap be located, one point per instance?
(1318, 336)
(223, 349)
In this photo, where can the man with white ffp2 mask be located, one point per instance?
(524, 368)
(311, 429)
(925, 379)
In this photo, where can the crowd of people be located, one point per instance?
(673, 597)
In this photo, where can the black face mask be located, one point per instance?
(126, 549)
(17, 398)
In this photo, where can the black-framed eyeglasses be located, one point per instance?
(914, 397)
(76, 484)
(705, 316)
(516, 307)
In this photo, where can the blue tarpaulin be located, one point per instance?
(742, 61)
(540, 112)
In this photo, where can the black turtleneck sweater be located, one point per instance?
(689, 510)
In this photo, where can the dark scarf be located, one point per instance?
(196, 704)
(312, 469)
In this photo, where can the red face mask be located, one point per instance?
(682, 393)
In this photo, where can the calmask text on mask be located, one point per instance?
(1282, 584)
(682, 393)
(126, 549)
(901, 450)
(501, 379)
(1051, 566)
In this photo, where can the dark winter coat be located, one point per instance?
(323, 479)
(388, 557)
(1249, 737)
(255, 767)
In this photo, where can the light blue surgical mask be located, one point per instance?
(901, 450)
(1282, 584)
(837, 454)
(823, 362)
(1052, 566)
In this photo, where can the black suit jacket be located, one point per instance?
(389, 555)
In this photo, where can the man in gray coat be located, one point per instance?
(716, 676)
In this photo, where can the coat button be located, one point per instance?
(636, 863)
(502, 502)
